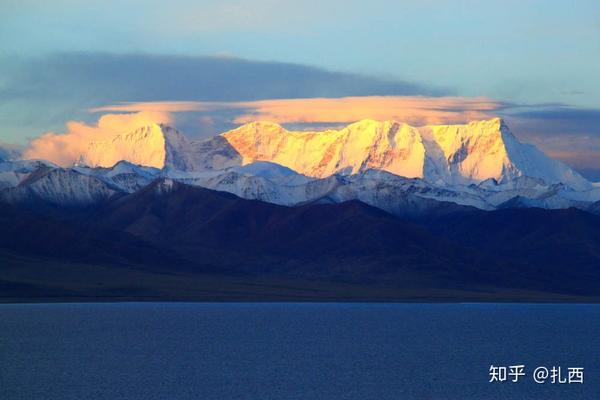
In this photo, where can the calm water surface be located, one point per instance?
(292, 351)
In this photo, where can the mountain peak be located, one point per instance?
(495, 122)
(264, 124)
(452, 154)
(143, 146)
(455, 154)
(261, 127)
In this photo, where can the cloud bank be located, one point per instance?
(413, 110)
(569, 134)
(416, 110)
(38, 94)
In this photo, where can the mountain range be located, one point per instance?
(392, 166)
(376, 210)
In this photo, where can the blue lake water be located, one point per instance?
(293, 351)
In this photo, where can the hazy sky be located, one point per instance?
(60, 58)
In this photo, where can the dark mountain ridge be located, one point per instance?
(168, 230)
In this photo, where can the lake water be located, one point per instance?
(293, 351)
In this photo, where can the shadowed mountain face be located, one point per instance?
(64, 235)
(556, 248)
(260, 237)
(170, 240)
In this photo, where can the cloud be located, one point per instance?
(416, 110)
(41, 93)
(569, 134)
(560, 118)
(579, 158)
(144, 77)
(560, 129)
(579, 151)
(65, 148)
(413, 110)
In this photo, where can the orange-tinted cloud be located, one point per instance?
(65, 148)
(416, 110)
(413, 110)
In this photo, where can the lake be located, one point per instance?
(293, 350)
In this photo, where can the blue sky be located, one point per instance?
(60, 58)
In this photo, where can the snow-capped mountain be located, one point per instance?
(12, 173)
(58, 186)
(449, 154)
(123, 176)
(439, 154)
(27, 181)
(182, 154)
(389, 165)
(143, 146)
(160, 146)
(395, 194)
